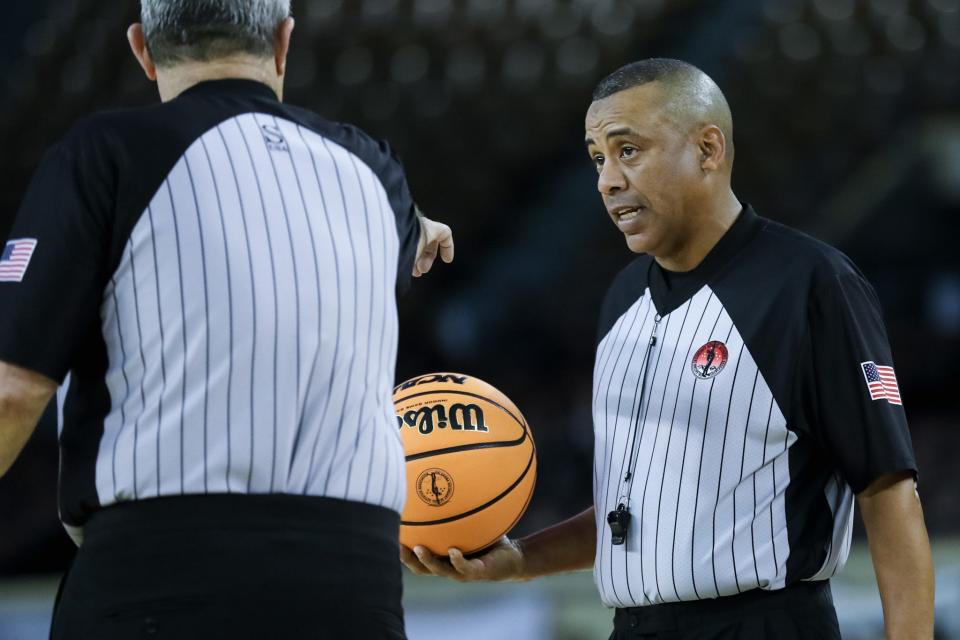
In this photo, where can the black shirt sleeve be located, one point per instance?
(66, 211)
(381, 158)
(866, 438)
(408, 225)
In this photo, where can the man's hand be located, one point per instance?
(503, 561)
(568, 546)
(435, 238)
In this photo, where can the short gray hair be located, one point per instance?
(178, 30)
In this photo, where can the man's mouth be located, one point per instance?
(626, 214)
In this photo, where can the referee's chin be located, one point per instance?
(638, 242)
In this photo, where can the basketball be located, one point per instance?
(471, 462)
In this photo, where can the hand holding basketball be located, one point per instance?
(502, 561)
(470, 459)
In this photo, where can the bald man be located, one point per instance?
(744, 394)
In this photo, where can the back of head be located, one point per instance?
(204, 30)
(691, 98)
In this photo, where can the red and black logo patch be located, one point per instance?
(709, 360)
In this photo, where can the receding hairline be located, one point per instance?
(643, 72)
(691, 99)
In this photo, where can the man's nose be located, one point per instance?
(611, 179)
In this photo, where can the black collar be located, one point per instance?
(670, 289)
(232, 86)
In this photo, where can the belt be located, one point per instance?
(682, 615)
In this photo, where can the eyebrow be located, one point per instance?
(614, 133)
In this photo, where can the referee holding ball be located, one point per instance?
(744, 394)
(217, 274)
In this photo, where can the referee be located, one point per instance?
(744, 394)
(218, 275)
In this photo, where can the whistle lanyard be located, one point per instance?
(626, 484)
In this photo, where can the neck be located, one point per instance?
(174, 80)
(710, 225)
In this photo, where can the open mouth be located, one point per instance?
(626, 215)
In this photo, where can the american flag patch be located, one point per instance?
(16, 258)
(882, 382)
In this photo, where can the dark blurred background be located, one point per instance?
(847, 125)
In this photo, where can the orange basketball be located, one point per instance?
(471, 462)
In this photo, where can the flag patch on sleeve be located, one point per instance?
(16, 258)
(881, 382)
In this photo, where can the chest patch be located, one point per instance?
(709, 360)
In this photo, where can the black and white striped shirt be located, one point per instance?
(219, 275)
(733, 419)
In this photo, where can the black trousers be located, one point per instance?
(803, 611)
(259, 567)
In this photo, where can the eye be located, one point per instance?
(598, 160)
(628, 152)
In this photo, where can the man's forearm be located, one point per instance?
(568, 546)
(23, 397)
(904, 569)
(901, 557)
(16, 426)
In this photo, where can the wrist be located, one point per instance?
(523, 561)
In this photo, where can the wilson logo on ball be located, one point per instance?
(709, 360)
(435, 487)
(460, 417)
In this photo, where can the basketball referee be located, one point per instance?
(218, 275)
(744, 394)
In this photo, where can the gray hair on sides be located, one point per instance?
(203, 30)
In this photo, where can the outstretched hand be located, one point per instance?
(436, 239)
(502, 561)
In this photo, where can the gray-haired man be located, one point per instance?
(218, 276)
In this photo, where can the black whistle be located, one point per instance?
(619, 521)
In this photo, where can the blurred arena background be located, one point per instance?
(847, 125)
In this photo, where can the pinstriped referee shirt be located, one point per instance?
(735, 417)
(218, 275)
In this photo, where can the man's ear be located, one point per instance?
(138, 44)
(282, 45)
(713, 148)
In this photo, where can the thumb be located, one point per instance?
(445, 243)
(474, 568)
(435, 237)
(425, 259)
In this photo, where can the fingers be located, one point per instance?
(410, 560)
(436, 565)
(421, 561)
(425, 260)
(435, 239)
(469, 568)
(445, 243)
